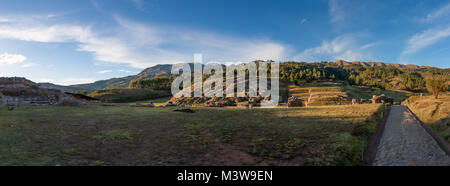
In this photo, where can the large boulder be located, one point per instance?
(381, 99)
(294, 101)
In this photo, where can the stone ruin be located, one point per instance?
(381, 99)
(357, 102)
(294, 101)
(247, 102)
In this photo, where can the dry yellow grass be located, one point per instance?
(435, 112)
(94, 135)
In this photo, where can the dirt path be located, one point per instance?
(406, 143)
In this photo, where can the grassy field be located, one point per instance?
(125, 95)
(336, 93)
(96, 135)
(156, 102)
(434, 112)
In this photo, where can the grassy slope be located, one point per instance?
(329, 93)
(435, 112)
(156, 102)
(358, 93)
(93, 135)
(127, 95)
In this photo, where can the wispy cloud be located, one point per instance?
(370, 45)
(5, 20)
(343, 47)
(11, 58)
(46, 33)
(45, 80)
(74, 81)
(439, 13)
(142, 45)
(28, 65)
(67, 81)
(125, 71)
(345, 13)
(303, 21)
(139, 4)
(337, 12)
(104, 71)
(425, 39)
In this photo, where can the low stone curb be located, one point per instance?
(375, 139)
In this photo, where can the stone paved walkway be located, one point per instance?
(406, 143)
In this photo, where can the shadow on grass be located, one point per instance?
(154, 136)
(367, 94)
(442, 128)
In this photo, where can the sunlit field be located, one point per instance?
(123, 135)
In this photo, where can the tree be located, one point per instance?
(84, 92)
(437, 85)
(156, 83)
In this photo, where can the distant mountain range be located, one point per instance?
(379, 64)
(123, 82)
(165, 70)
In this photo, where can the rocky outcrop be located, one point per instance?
(294, 101)
(17, 91)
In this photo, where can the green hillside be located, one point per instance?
(373, 74)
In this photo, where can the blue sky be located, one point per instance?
(81, 41)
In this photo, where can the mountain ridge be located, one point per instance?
(165, 70)
(120, 82)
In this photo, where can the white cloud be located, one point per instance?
(5, 20)
(444, 11)
(43, 33)
(143, 45)
(11, 58)
(125, 71)
(343, 47)
(426, 38)
(27, 65)
(370, 45)
(303, 20)
(104, 71)
(75, 81)
(68, 81)
(45, 80)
